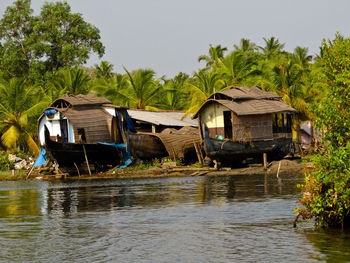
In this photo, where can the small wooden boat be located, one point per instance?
(146, 146)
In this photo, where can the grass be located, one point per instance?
(143, 166)
(8, 176)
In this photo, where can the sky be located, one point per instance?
(168, 36)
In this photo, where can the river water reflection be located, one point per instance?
(188, 219)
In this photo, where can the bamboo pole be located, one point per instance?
(198, 153)
(86, 159)
(278, 170)
(265, 160)
(77, 169)
(30, 171)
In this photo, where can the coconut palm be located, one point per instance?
(245, 45)
(215, 54)
(291, 83)
(104, 70)
(174, 94)
(19, 107)
(114, 88)
(302, 57)
(71, 81)
(236, 68)
(272, 47)
(203, 85)
(144, 90)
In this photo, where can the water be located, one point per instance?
(192, 219)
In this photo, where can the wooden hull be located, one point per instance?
(67, 155)
(146, 146)
(228, 151)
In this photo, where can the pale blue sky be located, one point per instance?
(168, 36)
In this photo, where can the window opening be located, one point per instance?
(81, 135)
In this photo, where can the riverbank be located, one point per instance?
(287, 166)
(295, 166)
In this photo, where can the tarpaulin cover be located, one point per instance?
(125, 151)
(41, 160)
(50, 112)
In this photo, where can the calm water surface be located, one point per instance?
(192, 219)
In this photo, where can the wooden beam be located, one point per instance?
(86, 159)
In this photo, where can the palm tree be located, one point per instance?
(272, 47)
(203, 85)
(245, 45)
(215, 54)
(174, 95)
(291, 83)
(104, 70)
(302, 57)
(71, 81)
(114, 88)
(144, 90)
(236, 68)
(19, 108)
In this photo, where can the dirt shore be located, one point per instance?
(296, 166)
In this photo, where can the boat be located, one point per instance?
(241, 122)
(84, 133)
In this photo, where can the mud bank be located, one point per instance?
(296, 166)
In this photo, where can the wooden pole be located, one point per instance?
(265, 160)
(77, 168)
(198, 153)
(30, 171)
(86, 159)
(278, 170)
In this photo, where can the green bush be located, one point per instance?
(5, 163)
(327, 189)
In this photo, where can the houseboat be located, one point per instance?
(242, 122)
(83, 130)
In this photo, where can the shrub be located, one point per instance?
(327, 189)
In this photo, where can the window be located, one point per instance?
(81, 135)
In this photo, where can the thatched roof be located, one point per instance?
(248, 101)
(81, 100)
(244, 93)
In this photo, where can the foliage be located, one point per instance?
(20, 105)
(327, 189)
(144, 89)
(71, 81)
(5, 163)
(44, 43)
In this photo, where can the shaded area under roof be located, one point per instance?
(166, 118)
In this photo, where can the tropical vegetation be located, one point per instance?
(327, 189)
(43, 56)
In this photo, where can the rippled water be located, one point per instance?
(192, 219)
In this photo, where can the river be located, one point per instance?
(184, 219)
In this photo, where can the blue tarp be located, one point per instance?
(41, 160)
(50, 112)
(130, 124)
(125, 151)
